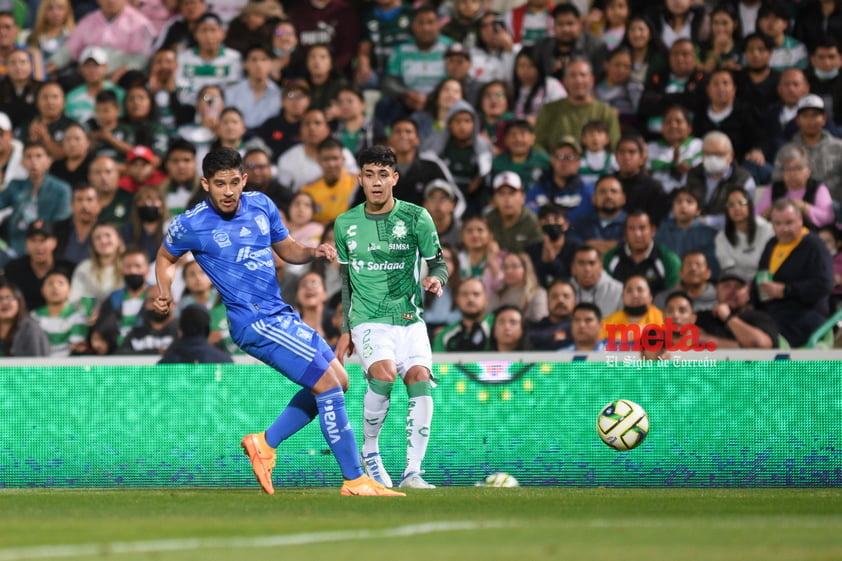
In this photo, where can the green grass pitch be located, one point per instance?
(457, 523)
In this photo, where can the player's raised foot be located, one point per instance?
(413, 480)
(364, 486)
(262, 458)
(373, 465)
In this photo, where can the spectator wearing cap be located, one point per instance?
(567, 116)
(562, 185)
(457, 65)
(177, 33)
(493, 56)
(823, 149)
(513, 225)
(797, 276)
(733, 322)
(824, 77)
(640, 255)
(29, 270)
(335, 23)
(93, 66)
(773, 21)
(521, 156)
(11, 153)
(440, 200)
(602, 228)
(258, 98)
(414, 68)
(209, 64)
(122, 30)
(334, 191)
(797, 184)
(553, 256)
(141, 170)
(569, 42)
(283, 131)
(38, 197)
(9, 32)
(18, 88)
(192, 346)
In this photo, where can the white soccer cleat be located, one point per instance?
(413, 480)
(373, 466)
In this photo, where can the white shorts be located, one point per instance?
(405, 345)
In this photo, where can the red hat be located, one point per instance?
(140, 151)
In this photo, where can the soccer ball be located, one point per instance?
(499, 479)
(622, 424)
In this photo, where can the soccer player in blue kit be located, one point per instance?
(232, 235)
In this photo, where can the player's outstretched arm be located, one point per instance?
(293, 252)
(165, 273)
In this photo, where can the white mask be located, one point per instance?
(714, 165)
(826, 75)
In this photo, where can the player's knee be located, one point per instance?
(417, 374)
(340, 375)
(384, 370)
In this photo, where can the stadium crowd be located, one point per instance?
(586, 164)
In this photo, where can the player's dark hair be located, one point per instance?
(377, 155)
(590, 306)
(221, 159)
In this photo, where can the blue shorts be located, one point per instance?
(290, 346)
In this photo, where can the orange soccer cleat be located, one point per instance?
(262, 458)
(364, 486)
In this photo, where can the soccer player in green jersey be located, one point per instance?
(380, 244)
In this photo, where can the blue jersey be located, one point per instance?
(236, 254)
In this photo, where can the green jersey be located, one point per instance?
(383, 253)
(67, 328)
(386, 32)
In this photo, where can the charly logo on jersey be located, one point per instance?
(262, 223)
(221, 238)
(399, 230)
(351, 231)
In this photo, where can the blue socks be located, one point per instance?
(336, 429)
(300, 411)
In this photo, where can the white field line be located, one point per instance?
(191, 544)
(725, 523)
